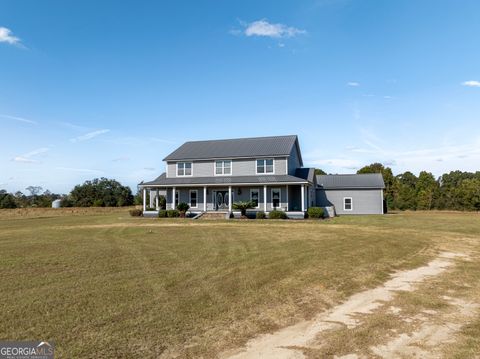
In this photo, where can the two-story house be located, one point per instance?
(211, 175)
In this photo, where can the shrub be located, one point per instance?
(183, 208)
(150, 209)
(136, 212)
(173, 213)
(162, 202)
(277, 215)
(260, 215)
(243, 206)
(162, 213)
(315, 212)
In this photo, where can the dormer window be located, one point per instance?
(184, 169)
(265, 166)
(223, 167)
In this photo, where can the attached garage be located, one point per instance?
(352, 193)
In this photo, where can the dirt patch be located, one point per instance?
(426, 340)
(289, 342)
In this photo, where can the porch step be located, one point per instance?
(214, 215)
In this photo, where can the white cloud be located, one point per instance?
(71, 169)
(7, 36)
(89, 136)
(353, 84)
(27, 157)
(471, 83)
(19, 119)
(266, 29)
(121, 159)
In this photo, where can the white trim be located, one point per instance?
(223, 167)
(351, 204)
(265, 198)
(265, 166)
(144, 199)
(280, 199)
(190, 198)
(258, 199)
(223, 184)
(286, 191)
(205, 198)
(303, 197)
(381, 201)
(230, 198)
(221, 158)
(184, 175)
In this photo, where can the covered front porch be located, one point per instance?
(220, 198)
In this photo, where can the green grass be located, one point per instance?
(103, 284)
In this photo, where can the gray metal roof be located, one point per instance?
(163, 180)
(306, 173)
(368, 180)
(232, 148)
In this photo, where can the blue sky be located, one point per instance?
(108, 88)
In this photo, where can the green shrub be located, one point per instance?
(183, 207)
(162, 213)
(260, 215)
(242, 206)
(315, 212)
(98, 203)
(277, 215)
(173, 213)
(162, 202)
(136, 212)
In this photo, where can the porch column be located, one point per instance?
(156, 200)
(229, 198)
(287, 197)
(173, 197)
(303, 198)
(265, 198)
(205, 198)
(150, 199)
(144, 199)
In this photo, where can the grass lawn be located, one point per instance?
(103, 284)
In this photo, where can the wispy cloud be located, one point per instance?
(72, 126)
(18, 119)
(471, 83)
(149, 168)
(6, 36)
(72, 169)
(353, 84)
(139, 141)
(89, 136)
(121, 159)
(263, 28)
(27, 157)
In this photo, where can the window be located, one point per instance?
(254, 196)
(276, 198)
(184, 168)
(193, 198)
(265, 166)
(223, 167)
(347, 204)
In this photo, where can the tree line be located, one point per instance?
(455, 190)
(99, 192)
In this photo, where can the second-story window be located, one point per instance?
(184, 168)
(223, 167)
(265, 166)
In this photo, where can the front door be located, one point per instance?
(220, 200)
